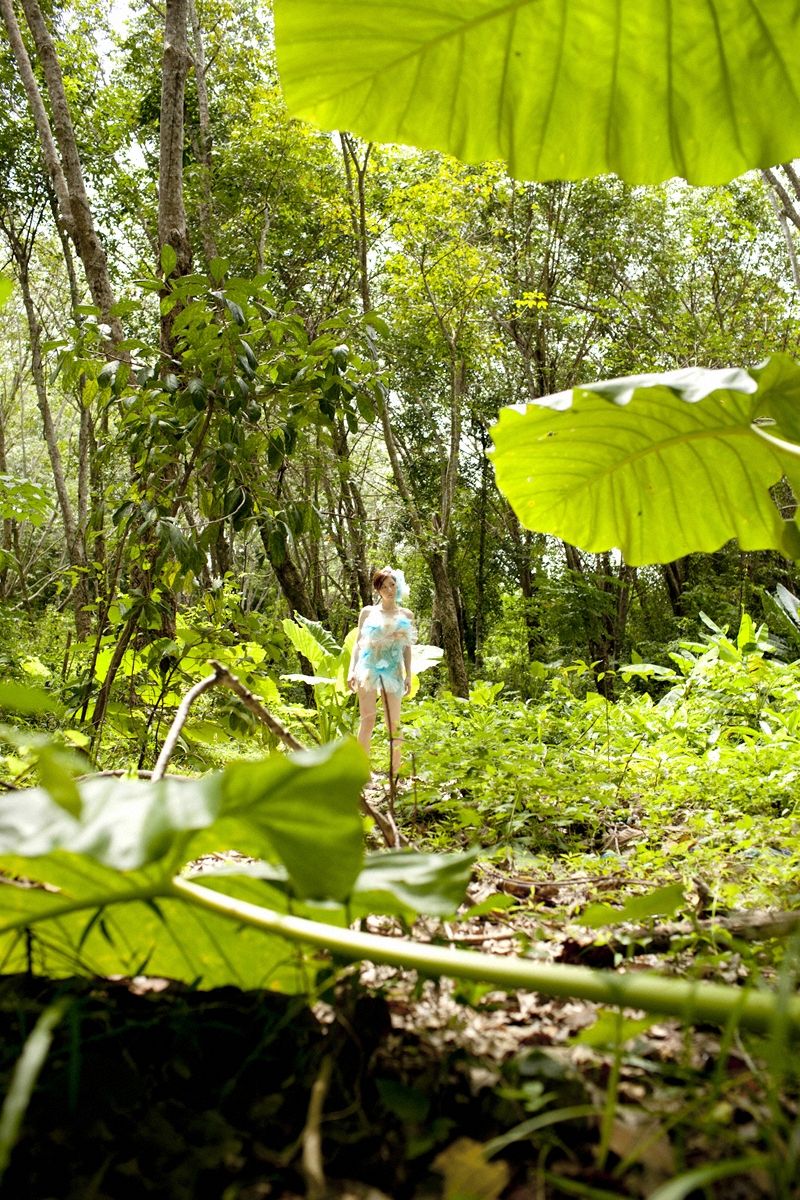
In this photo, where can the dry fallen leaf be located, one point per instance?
(467, 1175)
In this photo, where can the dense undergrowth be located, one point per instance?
(599, 826)
(696, 775)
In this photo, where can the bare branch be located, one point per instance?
(256, 707)
(786, 200)
(179, 722)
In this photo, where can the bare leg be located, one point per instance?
(367, 707)
(391, 712)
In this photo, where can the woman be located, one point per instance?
(381, 659)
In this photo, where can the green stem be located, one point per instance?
(23, 1080)
(688, 1000)
(612, 1096)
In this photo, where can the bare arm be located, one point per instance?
(407, 655)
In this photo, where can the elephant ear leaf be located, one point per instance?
(658, 466)
(557, 90)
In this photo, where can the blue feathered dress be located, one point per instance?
(383, 640)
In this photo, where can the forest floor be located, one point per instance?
(648, 835)
(396, 1087)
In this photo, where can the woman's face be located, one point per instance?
(388, 588)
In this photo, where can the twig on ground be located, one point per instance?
(749, 926)
(389, 831)
(477, 939)
(508, 881)
(755, 926)
(657, 939)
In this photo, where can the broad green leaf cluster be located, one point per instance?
(658, 466)
(90, 884)
(556, 90)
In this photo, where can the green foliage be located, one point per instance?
(152, 677)
(93, 882)
(662, 902)
(108, 908)
(783, 614)
(699, 775)
(658, 466)
(555, 91)
(23, 698)
(129, 825)
(330, 663)
(22, 500)
(99, 891)
(228, 444)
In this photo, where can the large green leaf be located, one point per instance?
(310, 814)
(659, 465)
(97, 894)
(304, 642)
(121, 823)
(407, 883)
(301, 809)
(644, 88)
(92, 919)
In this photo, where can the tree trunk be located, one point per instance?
(8, 529)
(220, 549)
(49, 152)
(522, 542)
(291, 581)
(84, 234)
(76, 552)
(458, 375)
(574, 560)
(432, 547)
(435, 553)
(674, 575)
(356, 173)
(447, 611)
(18, 555)
(171, 232)
(355, 520)
(171, 211)
(480, 574)
(627, 583)
(204, 137)
(337, 526)
(605, 648)
(784, 211)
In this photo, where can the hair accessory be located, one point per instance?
(401, 590)
(401, 587)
